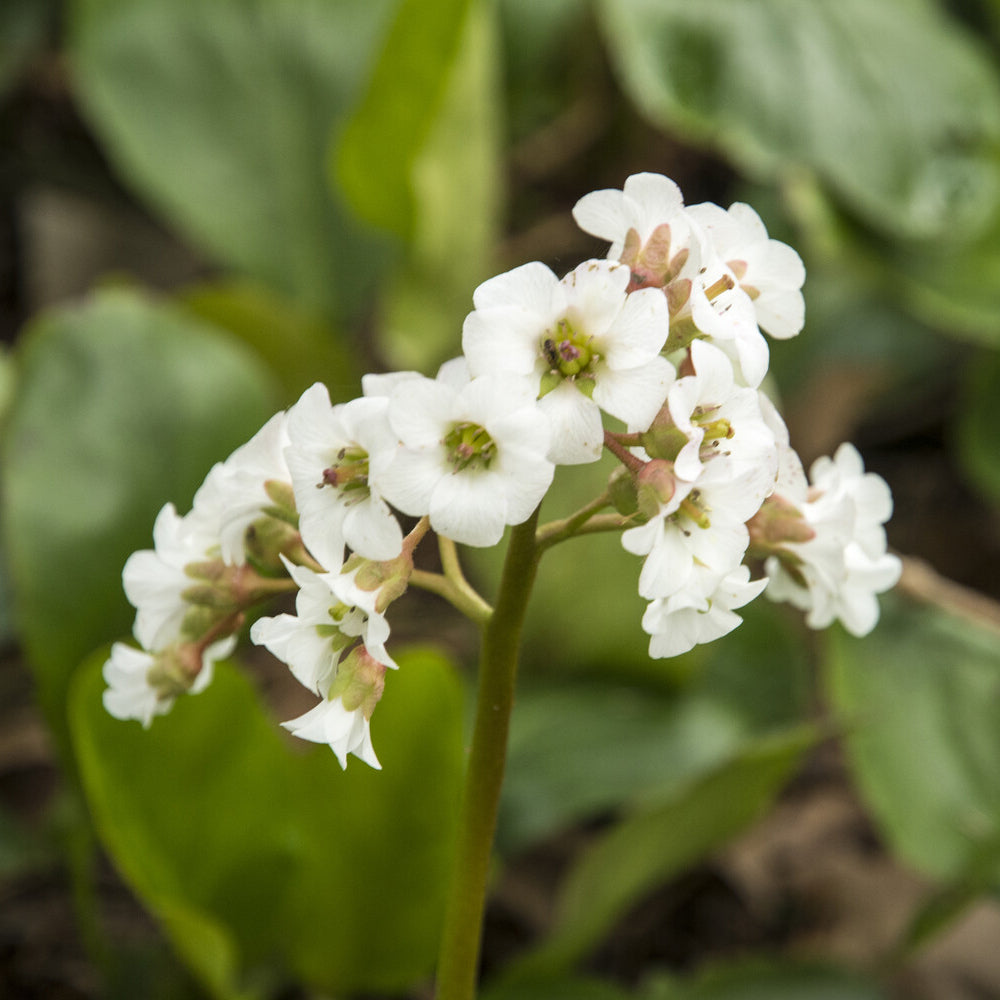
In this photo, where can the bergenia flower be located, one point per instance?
(473, 458)
(335, 455)
(834, 562)
(332, 614)
(698, 614)
(585, 343)
(141, 685)
(769, 271)
(342, 718)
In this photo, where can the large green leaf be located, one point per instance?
(376, 152)
(121, 404)
(221, 113)
(923, 695)
(890, 102)
(264, 859)
(456, 186)
(657, 842)
(596, 744)
(298, 347)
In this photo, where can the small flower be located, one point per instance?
(769, 271)
(665, 246)
(708, 417)
(335, 455)
(678, 623)
(706, 530)
(837, 572)
(586, 344)
(473, 458)
(332, 615)
(143, 685)
(342, 719)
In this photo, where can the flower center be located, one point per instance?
(567, 350)
(349, 473)
(469, 445)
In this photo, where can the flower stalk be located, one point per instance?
(458, 962)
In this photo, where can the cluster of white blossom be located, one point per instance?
(663, 337)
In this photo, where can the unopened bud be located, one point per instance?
(655, 486)
(282, 496)
(622, 491)
(777, 523)
(266, 540)
(360, 681)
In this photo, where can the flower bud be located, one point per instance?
(360, 682)
(622, 491)
(777, 523)
(655, 486)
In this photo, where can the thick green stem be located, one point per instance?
(459, 957)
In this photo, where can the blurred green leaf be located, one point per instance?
(652, 845)
(121, 405)
(595, 744)
(23, 26)
(577, 749)
(457, 194)
(763, 980)
(374, 156)
(298, 348)
(265, 859)
(221, 114)
(977, 427)
(951, 283)
(922, 694)
(891, 103)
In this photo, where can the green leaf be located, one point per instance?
(657, 843)
(262, 857)
(585, 745)
(952, 282)
(578, 749)
(890, 102)
(922, 693)
(457, 190)
(299, 348)
(121, 404)
(374, 158)
(978, 424)
(221, 113)
(766, 980)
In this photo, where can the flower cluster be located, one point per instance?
(654, 355)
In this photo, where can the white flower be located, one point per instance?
(678, 623)
(335, 454)
(345, 731)
(237, 488)
(836, 573)
(769, 271)
(332, 615)
(473, 458)
(717, 420)
(155, 579)
(586, 344)
(132, 691)
(664, 246)
(647, 203)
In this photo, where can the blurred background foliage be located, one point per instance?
(205, 207)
